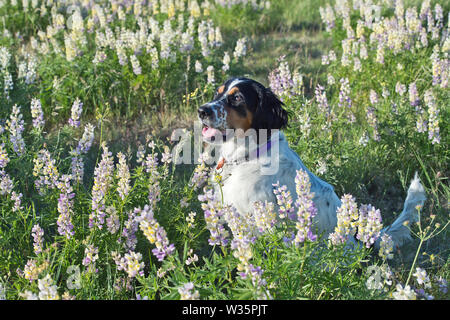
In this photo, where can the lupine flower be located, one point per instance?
(386, 247)
(347, 215)
(46, 172)
(255, 274)
(284, 201)
(188, 292)
(137, 70)
(242, 250)
(112, 220)
(32, 270)
(47, 291)
(198, 67)
(191, 258)
(37, 114)
(433, 117)
(28, 295)
(90, 256)
(123, 174)
(344, 98)
(200, 176)
(16, 197)
(210, 72)
(154, 233)
(327, 16)
(264, 216)
(369, 225)
(129, 231)
(306, 208)
(15, 126)
(373, 122)
(281, 81)
(214, 218)
(65, 207)
(241, 48)
(400, 88)
(76, 111)
(77, 169)
(381, 277)
(3, 156)
(38, 240)
(321, 98)
(226, 62)
(6, 184)
(103, 174)
(130, 263)
(442, 283)
(86, 140)
(414, 99)
(190, 219)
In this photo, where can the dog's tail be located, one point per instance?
(398, 232)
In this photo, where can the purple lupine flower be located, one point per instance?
(214, 219)
(86, 140)
(188, 292)
(344, 99)
(280, 80)
(130, 263)
(112, 221)
(37, 114)
(76, 111)
(414, 99)
(90, 256)
(123, 174)
(46, 171)
(433, 117)
(3, 156)
(15, 126)
(373, 122)
(38, 235)
(200, 176)
(321, 98)
(129, 231)
(16, 197)
(6, 184)
(154, 232)
(306, 208)
(137, 70)
(102, 180)
(77, 169)
(369, 225)
(242, 250)
(347, 215)
(264, 215)
(65, 207)
(400, 88)
(284, 201)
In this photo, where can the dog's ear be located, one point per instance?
(270, 113)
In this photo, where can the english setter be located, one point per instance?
(242, 105)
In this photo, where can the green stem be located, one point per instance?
(414, 262)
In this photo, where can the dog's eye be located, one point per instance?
(235, 98)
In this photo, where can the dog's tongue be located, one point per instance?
(210, 132)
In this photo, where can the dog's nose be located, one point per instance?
(204, 112)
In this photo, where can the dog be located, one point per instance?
(243, 105)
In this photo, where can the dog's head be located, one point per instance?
(241, 103)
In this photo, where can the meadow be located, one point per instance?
(93, 204)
